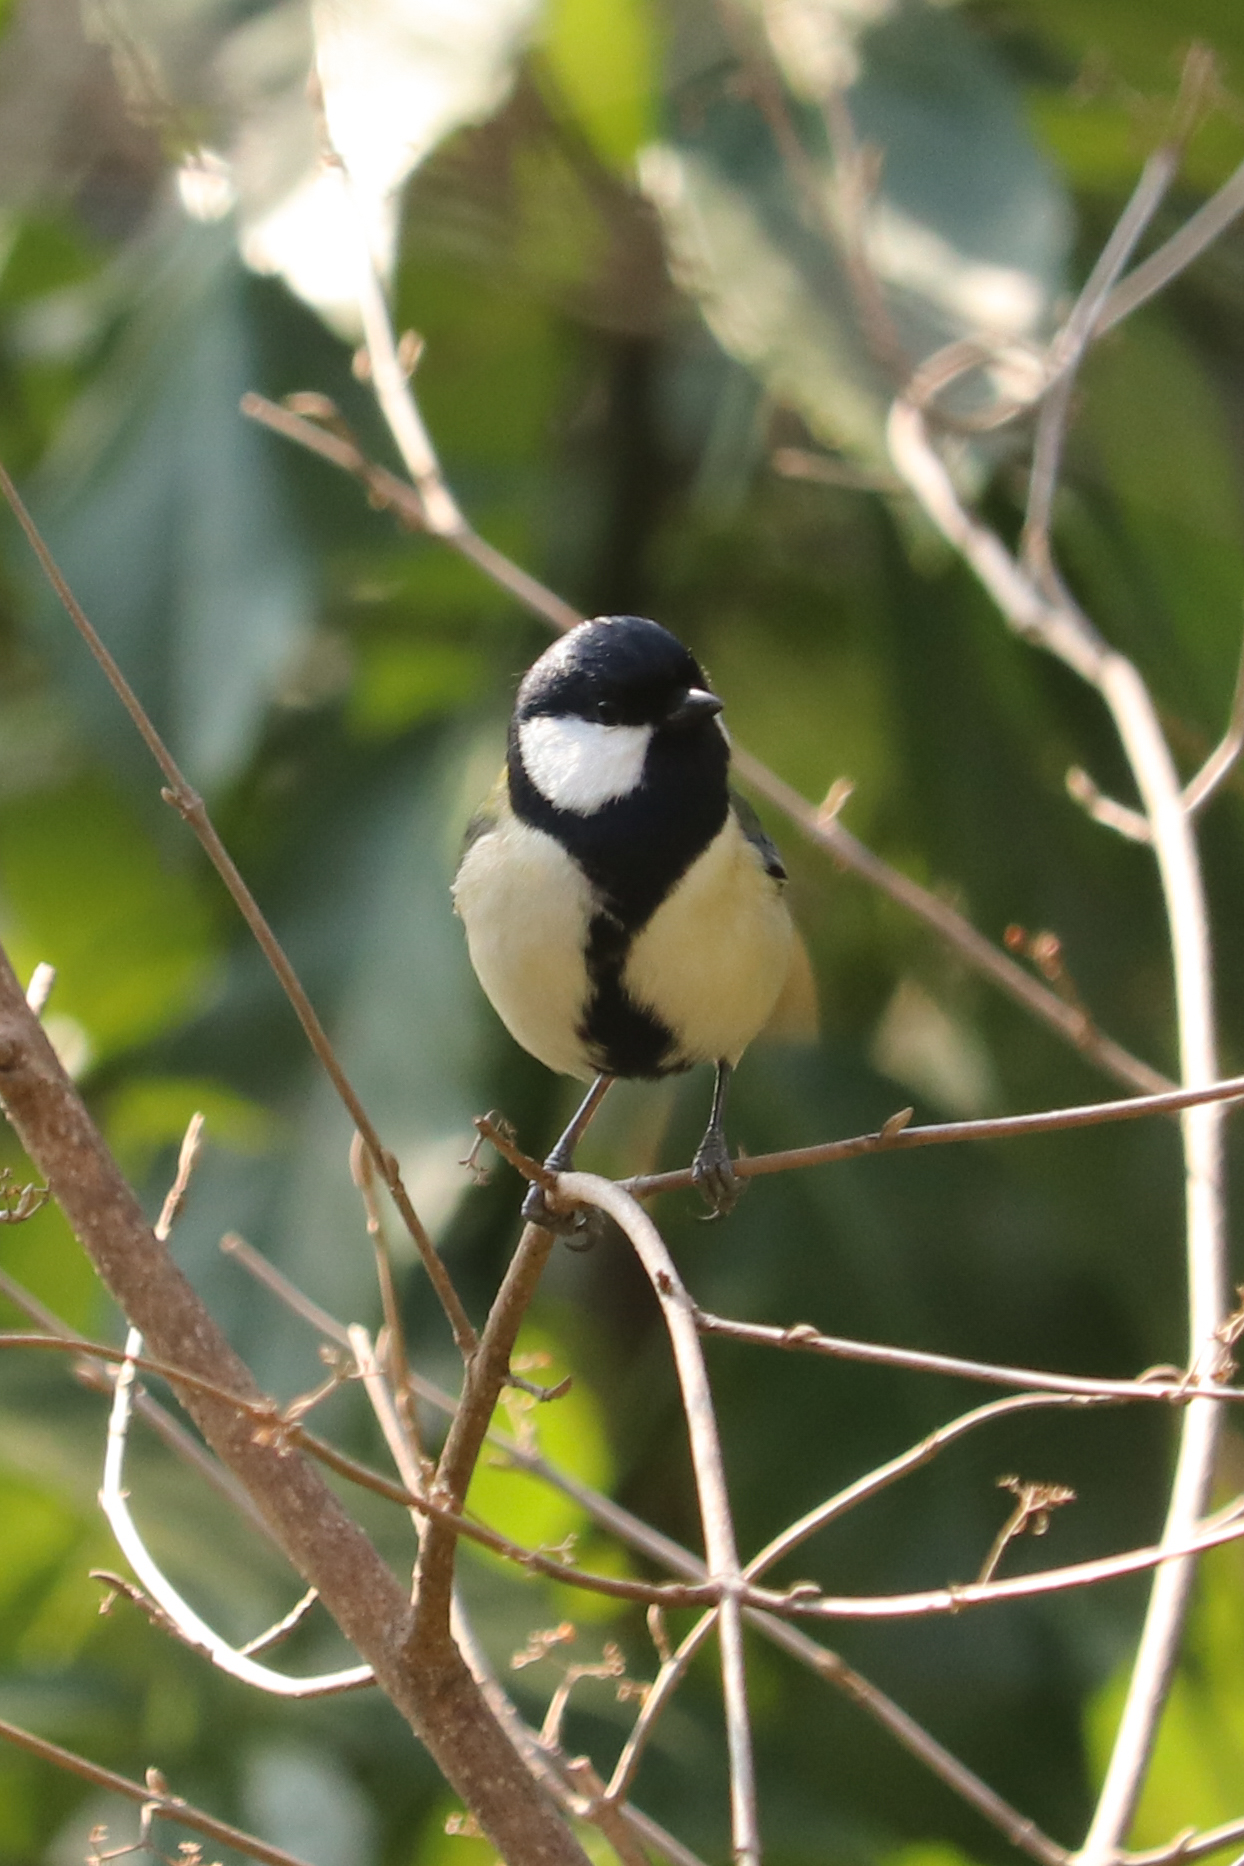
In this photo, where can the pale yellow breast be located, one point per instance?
(712, 960)
(526, 906)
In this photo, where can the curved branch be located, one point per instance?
(1060, 628)
(724, 1570)
(434, 1692)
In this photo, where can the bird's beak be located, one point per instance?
(696, 703)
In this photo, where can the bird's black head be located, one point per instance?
(618, 671)
(616, 750)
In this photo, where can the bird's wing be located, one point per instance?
(755, 832)
(494, 806)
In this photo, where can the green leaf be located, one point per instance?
(966, 230)
(166, 512)
(149, 1113)
(400, 682)
(604, 55)
(568, 1431)
(84, 887)
(1198, 1764)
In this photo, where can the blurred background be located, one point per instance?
(653, 382)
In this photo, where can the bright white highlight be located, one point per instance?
(205, 186)
(578, 764)
(395, 77)
(978, 292)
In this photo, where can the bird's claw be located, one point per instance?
(714, 1174)
(578, 1226)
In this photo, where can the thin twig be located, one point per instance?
(977, 952)
(485, 1376)
(1186, 1846)
(187, 1623)
(845, 233)
(92, 1371)
(1106, 810)
(362, 1171)
(190, 806)
(169, 1807)
(1062, 630)
(1154, 274)
(1177, 1390)
(829, 470)
(281, 1630)
(267, 1273)
(661, 1549)
(956, 1599)
(893, 1138)
(264, 1413)
(915, 1458)
(186, 1161)
(1069, 347)
(1199, 790)
(724, 1570)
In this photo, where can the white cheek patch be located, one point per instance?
(578, 764)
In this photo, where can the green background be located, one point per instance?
(607, 389)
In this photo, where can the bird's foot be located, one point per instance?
(578, 1226)
(713, 1172)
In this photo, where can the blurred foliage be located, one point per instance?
(1199, 1761)
(627, 305)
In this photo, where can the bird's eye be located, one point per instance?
(607, 712)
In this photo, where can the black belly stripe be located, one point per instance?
(622, 1037)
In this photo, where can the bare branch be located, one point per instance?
(179, 1614)
(287, 1624)
(169, 1807)
(433, 1689)
(266, 1273)
(1064, 631)
(1106, 810)
(1069, 347)
(828, 1665)
(678, 1311)
(1199, 790)
(615, 1824)
(1187, 1846)
(853, 182)
(91, 1369)
(189, 805)
(186, 1161)
(674, 1668)
(362, 1171)
(486, 1373)
(829, 470)
(802, 1337)
(1154, 274)
(1048, 1581)
(980, 954)
(900, 1138)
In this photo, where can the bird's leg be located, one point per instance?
(561, 1160)
(712, 1169)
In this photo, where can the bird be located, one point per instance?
(623, 908)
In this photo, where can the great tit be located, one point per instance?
(623, 909)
